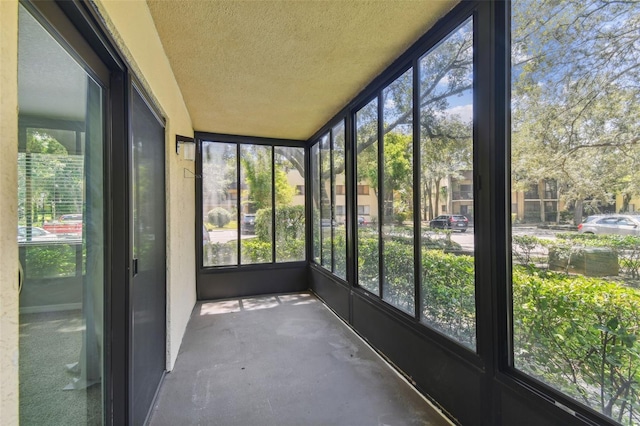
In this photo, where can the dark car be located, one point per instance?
(455, 222)
(248, 224)
(620, 224)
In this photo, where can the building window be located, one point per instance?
(290, 213)
(363, 189)
(575, 304)
(219, 207)
(368, 244)
(384, 143)
(329, 230)
(316, 190)
(550, 189)
(256, 204)
(240, 231)
(364, 210)
(337, 225)
(446, 109)
(299, 189)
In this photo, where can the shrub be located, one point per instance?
(448, 294)
(626, 247)
(290, 231)
(256, 251)
(581, 335)
(215, 254)
(49, 261)
(523, 247)
(218, 217)
(399, 275)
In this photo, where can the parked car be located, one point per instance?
(71, 217)
(455, 222)
(248, 224)
(327, 223)
(37, 234)
(620, 224)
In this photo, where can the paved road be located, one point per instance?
(466, 240)
(226, 235)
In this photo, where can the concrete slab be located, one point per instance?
(282, 360)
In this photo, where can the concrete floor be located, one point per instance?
(282, 360)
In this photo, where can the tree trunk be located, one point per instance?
(543, 216)
(437, 191)
(626, 199)
(577, 212)
(429, 196)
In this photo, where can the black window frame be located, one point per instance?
(492, 208)
(239, 141)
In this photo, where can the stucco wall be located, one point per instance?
(8, 212)
(131, 25)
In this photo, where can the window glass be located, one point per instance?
(219, 204)
(446, 149)
(575, 122)
(290, 221)
(316, 190)
(326, 207)
(61, 233)
(340, 202)
(397, 193)
(256, 188)
(367, 176)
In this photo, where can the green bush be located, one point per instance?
(581, 335)
(399, 275)
(255, 250)
(576, 333)
(448, 295)
(290, 231)
(215, 254)
(50, 261)
(523, 247)
(218, 217)
(626, 247)
(263, 224)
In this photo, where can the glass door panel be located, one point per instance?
(60, 233)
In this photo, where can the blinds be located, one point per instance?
(49, 186)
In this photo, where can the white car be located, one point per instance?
(37, 234)
(620, 224)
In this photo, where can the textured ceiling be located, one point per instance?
(283, 68)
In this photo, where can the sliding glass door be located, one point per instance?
(61, 232)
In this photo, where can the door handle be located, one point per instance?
(135, 267)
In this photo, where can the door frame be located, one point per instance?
(79, 27)
(134, 84)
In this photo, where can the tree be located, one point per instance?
(219, 173)
(50, 179)
(446, 151)
(576, 119)
(257, 171)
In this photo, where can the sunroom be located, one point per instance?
(416, 173)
